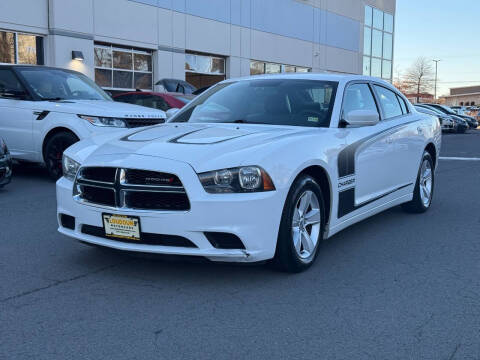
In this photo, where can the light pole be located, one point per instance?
(436, 77)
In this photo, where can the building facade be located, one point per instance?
(464, 96)
(131, 44)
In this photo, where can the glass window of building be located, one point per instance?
(18, 48)
(260, 67)
(118, 68)
(378, 35)
(202, 70)
(273, 68)
(367, 41)
(257, 68)
(376, 67)
(366, 65)
(378, 19)
(377, 43)
(368, 15)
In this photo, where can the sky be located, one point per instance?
(440, 29)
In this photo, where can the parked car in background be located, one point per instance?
(160, 101)
(448, 124)
(5, 164)
(290, 160)
(461, 110)
(175, 86)
(472, 122)
(460, 124)
(201, 90)
(44, 110)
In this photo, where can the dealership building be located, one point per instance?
(131, 44)
(463, 96)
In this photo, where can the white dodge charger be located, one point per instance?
(253, 169)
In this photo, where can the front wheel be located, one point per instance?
(54, 149)
(423, 193)
(301, 227)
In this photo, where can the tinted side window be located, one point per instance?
(122, 98)
(388, 102)
(155, 102)
(403, 105)
(358, 97)
(8, 81)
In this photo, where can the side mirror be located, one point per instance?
(171, 112)
(362, 118)
(12, 94)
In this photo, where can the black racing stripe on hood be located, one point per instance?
(178, 138)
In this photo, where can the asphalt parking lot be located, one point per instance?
(396, 286)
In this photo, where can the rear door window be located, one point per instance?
(388, 102)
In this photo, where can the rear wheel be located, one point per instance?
(54, 149)
(423, 193)
(301, 227)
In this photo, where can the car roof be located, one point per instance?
(312, 76)
(149, 93)
(37, 67)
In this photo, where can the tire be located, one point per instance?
(422, 201)
(291, 258)
(54, 149)
(461, 130)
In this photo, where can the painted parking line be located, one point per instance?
(459, 158)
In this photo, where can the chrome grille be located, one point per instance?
(130, 189)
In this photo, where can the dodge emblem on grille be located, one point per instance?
(158, 180)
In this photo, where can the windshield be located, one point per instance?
(274, 102)
(57, 84)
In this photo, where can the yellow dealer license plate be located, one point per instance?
(122, 227)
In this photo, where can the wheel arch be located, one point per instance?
(432, 150)
(53, 132)
(320, 174)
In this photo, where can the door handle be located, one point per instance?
(389, 140)
(420, 130)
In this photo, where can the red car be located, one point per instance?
(160, 101)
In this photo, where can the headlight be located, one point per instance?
(70, 167)
(104, 121)
(236, 180)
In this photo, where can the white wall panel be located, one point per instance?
(207, 35)
(72, 15)
(235, 40)
(165, 26)
(280, 49)
(127, 20)
(178, 30)
(30, 13)
(341, 60)
(61, 56)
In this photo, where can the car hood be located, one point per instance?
(100, 108)
(203, 146)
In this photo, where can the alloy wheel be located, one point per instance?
(426, 183)
(306, 224)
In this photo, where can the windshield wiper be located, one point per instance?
(240, 121)
(53, 99)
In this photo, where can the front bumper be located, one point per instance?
(5, 170)
(253, 217)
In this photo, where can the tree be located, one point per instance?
(398, 80)
(419, 77)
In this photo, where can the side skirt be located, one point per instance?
(378, 209)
